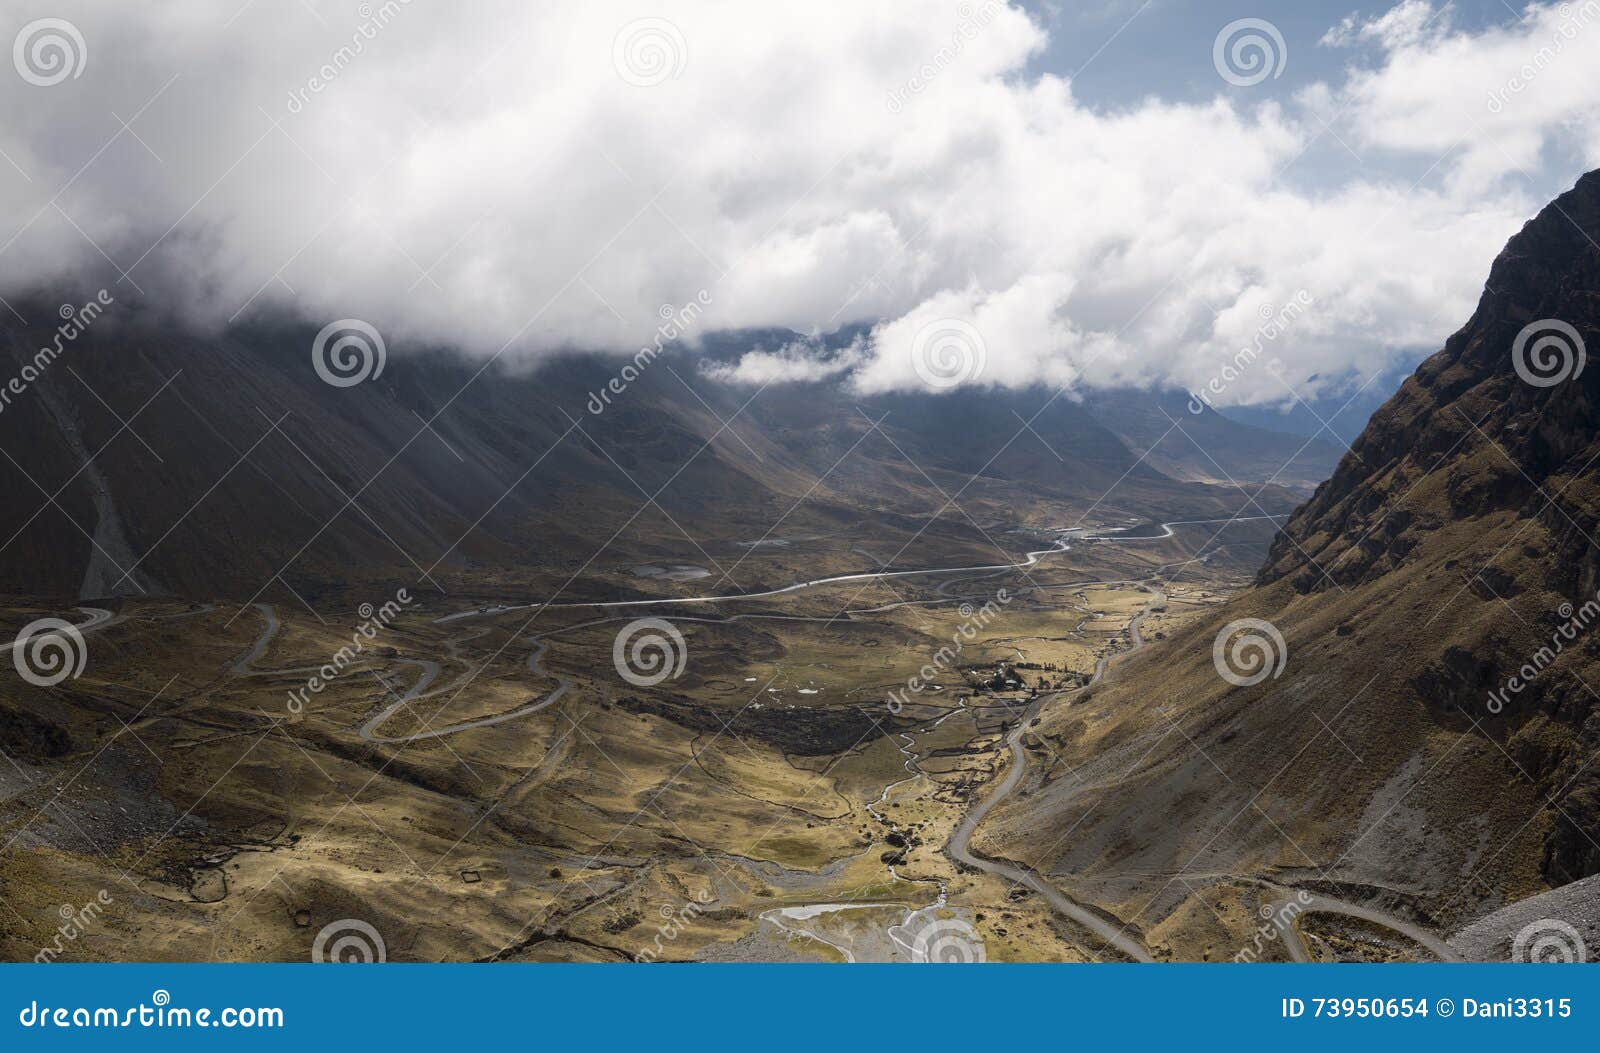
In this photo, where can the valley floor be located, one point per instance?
(514, 780)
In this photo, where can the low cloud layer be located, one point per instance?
(518, 179)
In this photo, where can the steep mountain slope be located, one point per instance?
(1452, 555)
(148, 458)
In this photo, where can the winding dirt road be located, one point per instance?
(99, 618)
(243, 665)
(1286, 913)
(1062, 544)
(960, 846)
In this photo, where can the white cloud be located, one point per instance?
(1494, 100)
(798, 361)
(1408, 22)
(480, 175)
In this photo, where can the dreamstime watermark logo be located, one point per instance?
(1549, 941)
(1548, 352)
(648, 651)
(949, 941)
(75, 321)
(49, 651)
(157, 1013)
(48, 51)
(1574, 623)
(948, 352)
(1274, 324)
(75, 922)
(1248, 651)
(944, 659)
(674, 921)
(1275, 918)
(358, 354)
(1248, 51)
(349, 941)
(649, 51)
(1574, 20)
(374, 620)
(372, 23)
(973, 21)
(676, 322)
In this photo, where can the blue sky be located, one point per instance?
(1119, 51)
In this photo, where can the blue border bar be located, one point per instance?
(811, 1008)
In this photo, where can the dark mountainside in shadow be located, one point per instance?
(215, 464)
